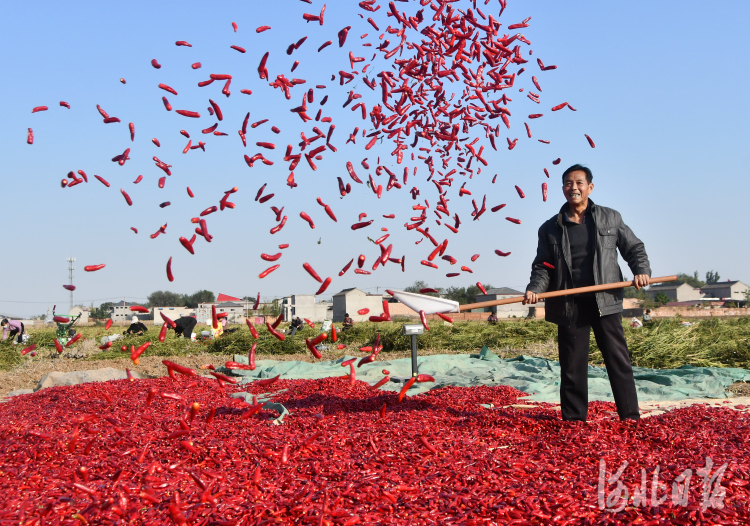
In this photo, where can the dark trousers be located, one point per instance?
(13, 333)
(573, 343)
(293, 330)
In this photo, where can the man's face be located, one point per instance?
(576, 189)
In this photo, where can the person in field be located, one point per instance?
(184, 326)
(578, 247)
(136, 327)
(13, 329)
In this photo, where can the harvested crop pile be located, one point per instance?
(103, 454)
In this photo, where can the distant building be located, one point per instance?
(352, 300)
(726, 290)
(675, 292)
(304, 306)
(120, 311)
(235, 311)
(172, 313)
(84, 312)
(503, 311)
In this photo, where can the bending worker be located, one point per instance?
(184, 326)
(578, 248)
(15, 328)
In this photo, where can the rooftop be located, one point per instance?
(667, 286)
(503, 291)
(720, 284)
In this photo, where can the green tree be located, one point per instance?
(712, 277)
(417, 286)
(693, 280)
(202, 296)
(102, 312)
(662, 299)
(163, 298)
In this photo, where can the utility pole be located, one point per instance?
(71, 268)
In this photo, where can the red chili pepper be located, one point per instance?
(312, 272)
(357, 226)
(428, 446)
(186, 113)
(274, 332)
(182, 43)
(548, 265)
(591, 141)
(137, 352)
(251, 327)
(544, 192)
(154, 63)
(559, 106)
(350, 169)
(516, 221)
(307, 218)
(446, 318)
(73, 339)
(173, 367)
(423, 319)
(92, 268)
(362, 312)
(520, 192)
(267, 381)
(346, 267)
(127, 197)
(428, 264)
(502, 254)
(405, 388)
(556, 161)
(323, 287)
(108, 325)
(279, 226)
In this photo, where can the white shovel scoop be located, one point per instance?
(433, 305)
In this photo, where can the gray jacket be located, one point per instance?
(554, 248)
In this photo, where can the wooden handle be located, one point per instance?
(565, 292)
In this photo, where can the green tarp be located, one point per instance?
(537, 376)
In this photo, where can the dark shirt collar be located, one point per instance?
(562, 216)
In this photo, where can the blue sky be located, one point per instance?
(657, 85)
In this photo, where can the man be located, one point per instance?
(577, 248)
(348, 322)
(15, 327)
(136, 327)
(184, 326)
(647, 317)
(295, 326)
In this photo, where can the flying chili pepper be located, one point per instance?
(591, 141)
(170, 277)
(548, 265)
(186, 113)
(307, 218)
(182, 43)
(405, 388)
(155, 64)
(137, 352)
(312, 272)
(516, 221)
(520, 193)
(323, 288)
(268, 271)
(30, 136)
(362, 312)
(544, 192)
(93, 268)
(346, 267)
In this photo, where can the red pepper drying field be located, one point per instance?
(182, 451)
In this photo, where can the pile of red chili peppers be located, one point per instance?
(181, 451)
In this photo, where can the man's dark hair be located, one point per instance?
(579, 168)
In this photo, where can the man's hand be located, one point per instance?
(530, 297)
(640, 281)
